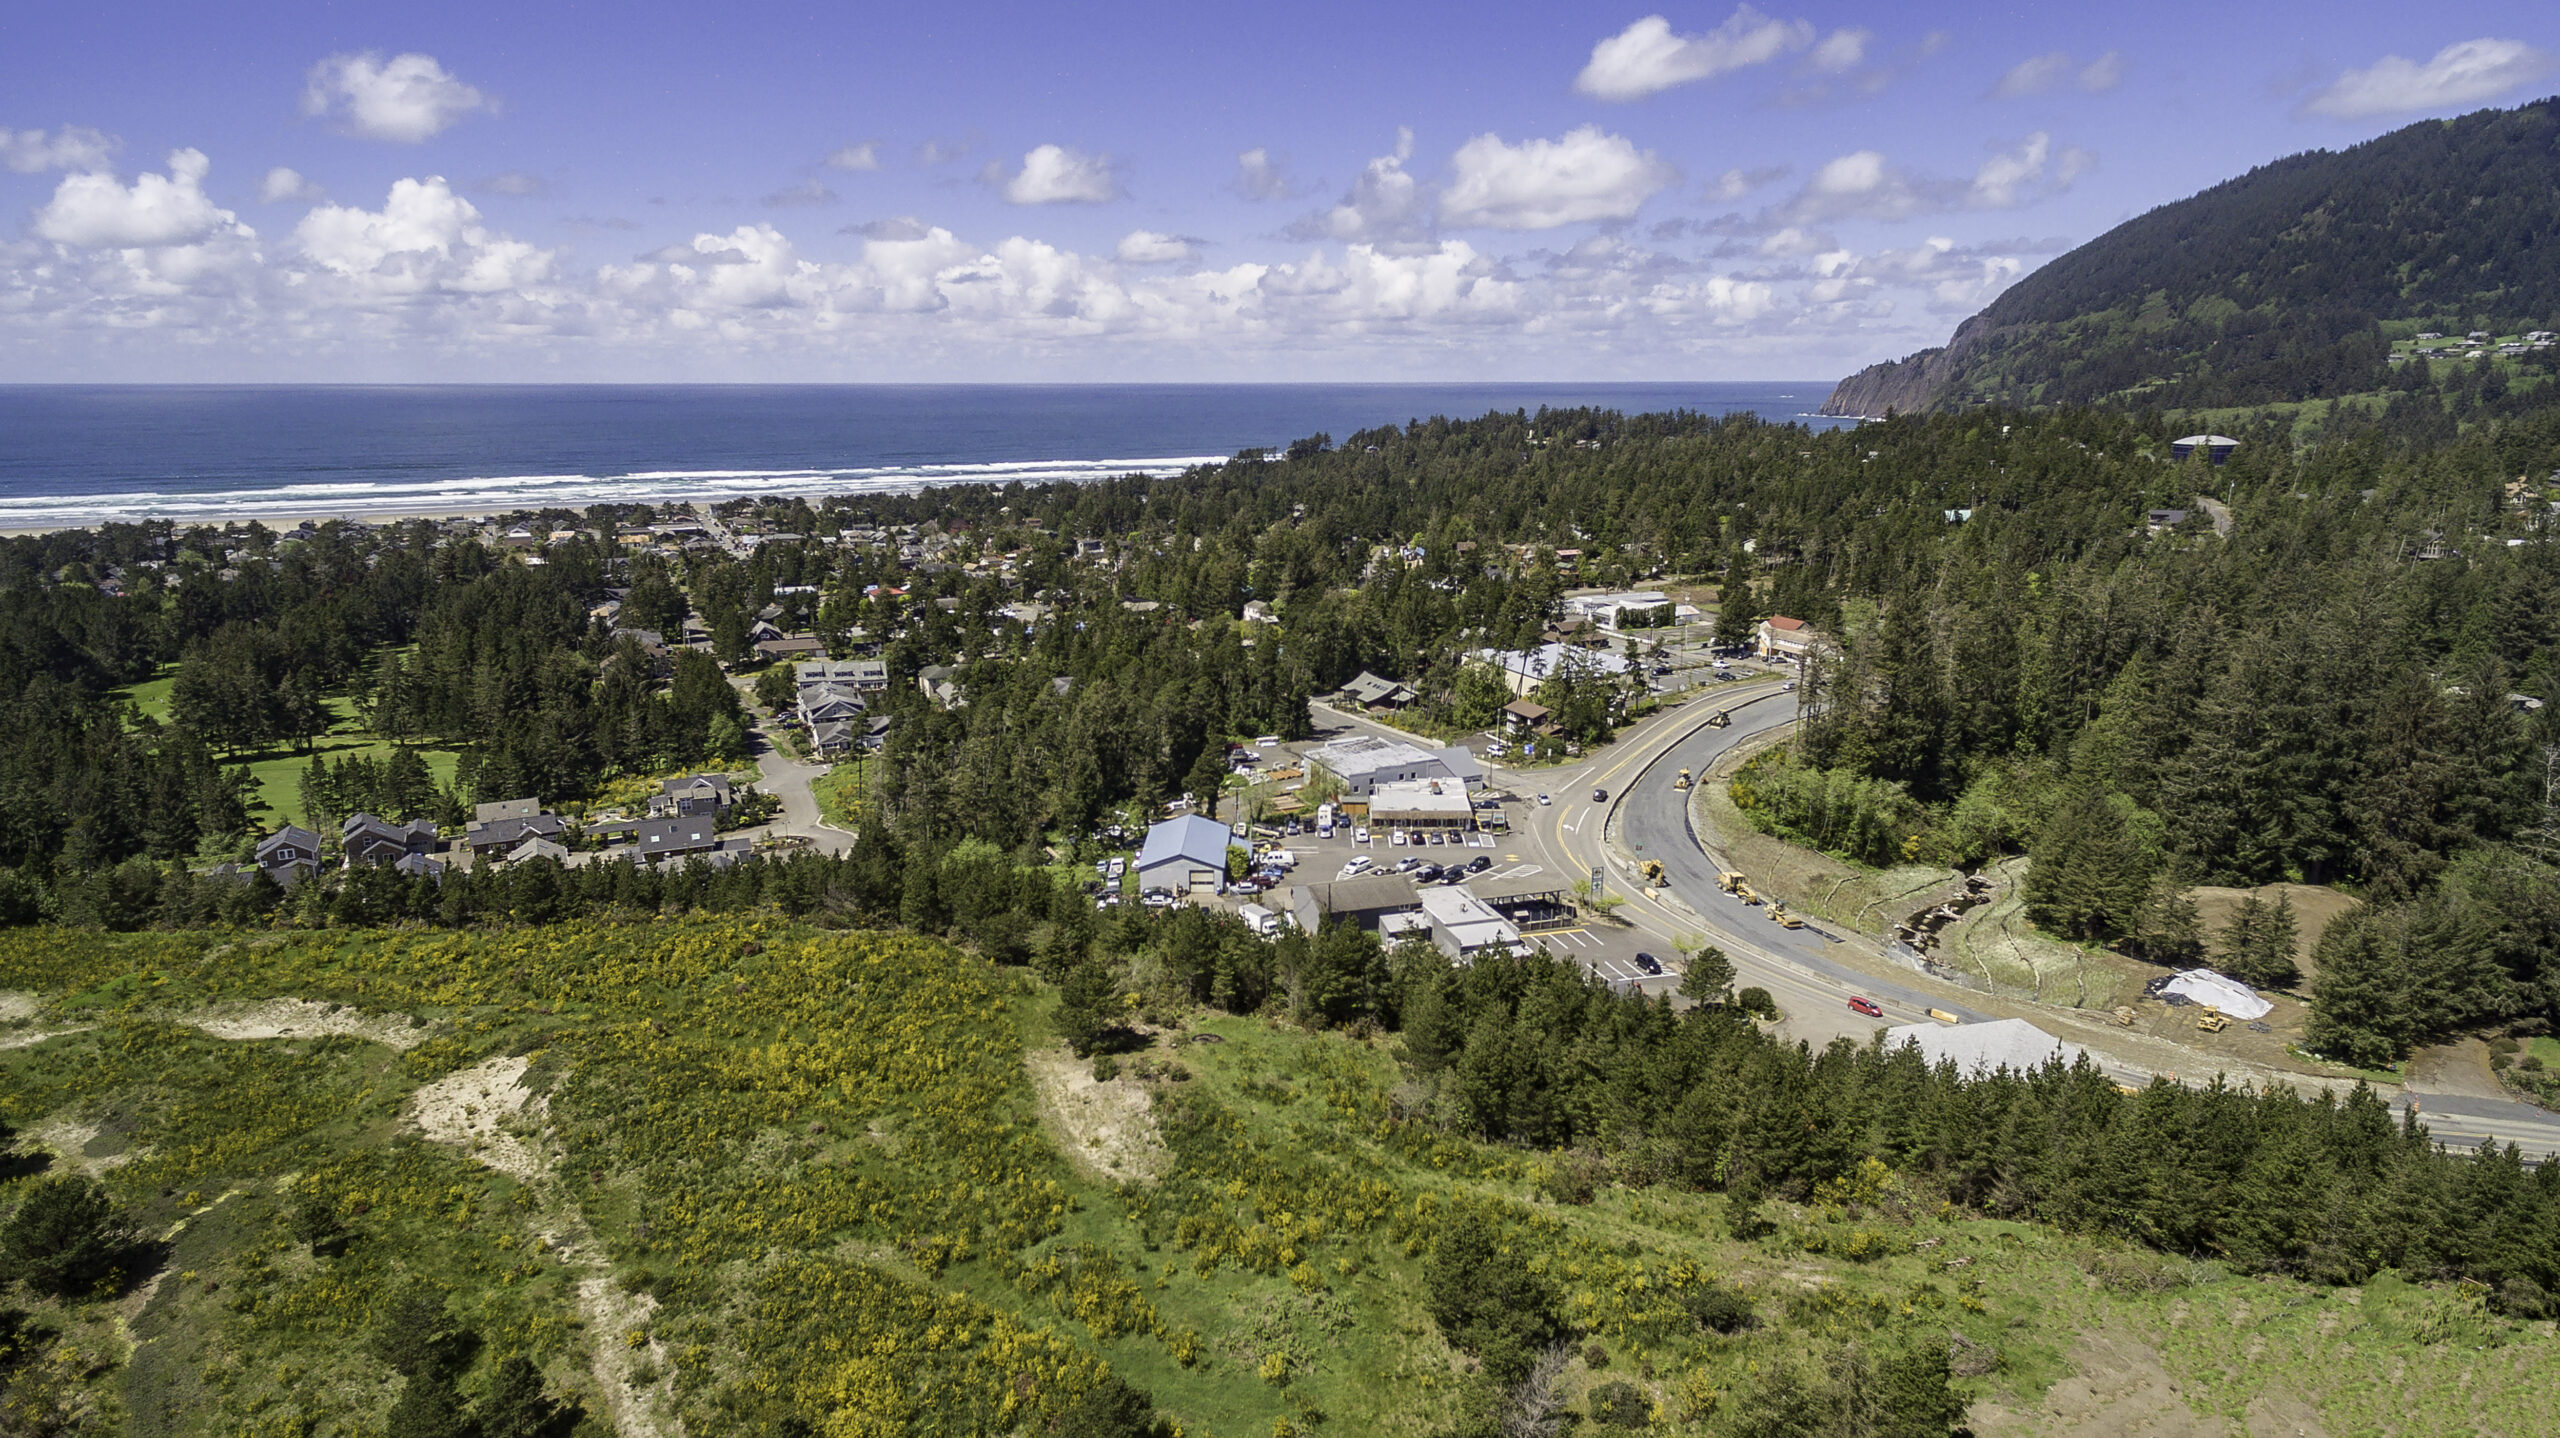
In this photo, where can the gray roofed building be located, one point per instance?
(1365, 761)
(1366, 900)
(1463, 926)
(1184, 855)
(694, 794)
(499, 836)
(1372, 692)
(289, 855)
(505, 809)
(365, 839)
(660, 838)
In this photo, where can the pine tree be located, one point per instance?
(1088, 1015)
(2360, 1000)
(1709, 976)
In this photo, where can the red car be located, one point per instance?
(1866, 1006)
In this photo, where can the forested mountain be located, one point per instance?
(2273, 286)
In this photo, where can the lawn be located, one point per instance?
(278, 774)
(842, 792)
(152, 695)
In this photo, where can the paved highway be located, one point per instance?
(1803, 968)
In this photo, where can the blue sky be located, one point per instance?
(1032, 192)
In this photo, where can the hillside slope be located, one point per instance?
(753, 1179)
(2271, 287)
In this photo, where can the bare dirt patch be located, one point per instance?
(468, 1110)
(2314, 909)
(1106, 1129)
(303, 1019)
(2118, 1389)
(2456, 1068)
(16, 1006)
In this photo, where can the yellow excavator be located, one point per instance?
(1653, 874)
(1721, 719)
(1683, 782)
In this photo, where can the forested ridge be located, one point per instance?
(2274, 286)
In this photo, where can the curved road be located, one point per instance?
(1802, 968)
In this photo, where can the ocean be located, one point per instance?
(86, 454)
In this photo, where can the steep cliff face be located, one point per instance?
(1922, 382)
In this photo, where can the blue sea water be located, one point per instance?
(81, 454)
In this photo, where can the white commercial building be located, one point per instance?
(1422, 804)
(1464, 926)
(1365, 761)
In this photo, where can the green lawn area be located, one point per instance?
(841, 792)
(152, 695)
(278, 773)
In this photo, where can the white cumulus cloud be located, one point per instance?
(408, 98)
(1386, 202)
(282, 184)
(1146, 247)
(1648, 57)
(1056, 175)
(95, 212)
(865, 156)
(73, 147)
(424, 239)
(2460, 74)
(1589, 174)
(1261, 177)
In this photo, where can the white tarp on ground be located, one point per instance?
(2013, 1044)
(2204, 986)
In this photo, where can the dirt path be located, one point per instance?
(2118, 1388)
(476, 1110)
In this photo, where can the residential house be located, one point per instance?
(498, 828)
(693, 794)
(674, 838)
(831, 738)
(289, 855)
(365, 839)
(797, 646)
(1371, 692)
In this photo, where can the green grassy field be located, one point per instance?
(278, 775)
(758, 1179)
(841, 792)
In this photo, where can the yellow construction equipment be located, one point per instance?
(1721, 719)
(1653, 874)
(1942, 1016)
(2213, 1020)
(1683, 782)
(1789, 921)
(1746, 893)
(2123, 1014)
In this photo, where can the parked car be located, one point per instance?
(1866, 1006)
(1481, 863)
(1396, 839)
(1360, 834)
(1648, 963)
(1157, 898)
(1408, 866)
(1426, 873)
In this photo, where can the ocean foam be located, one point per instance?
(498, 494)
